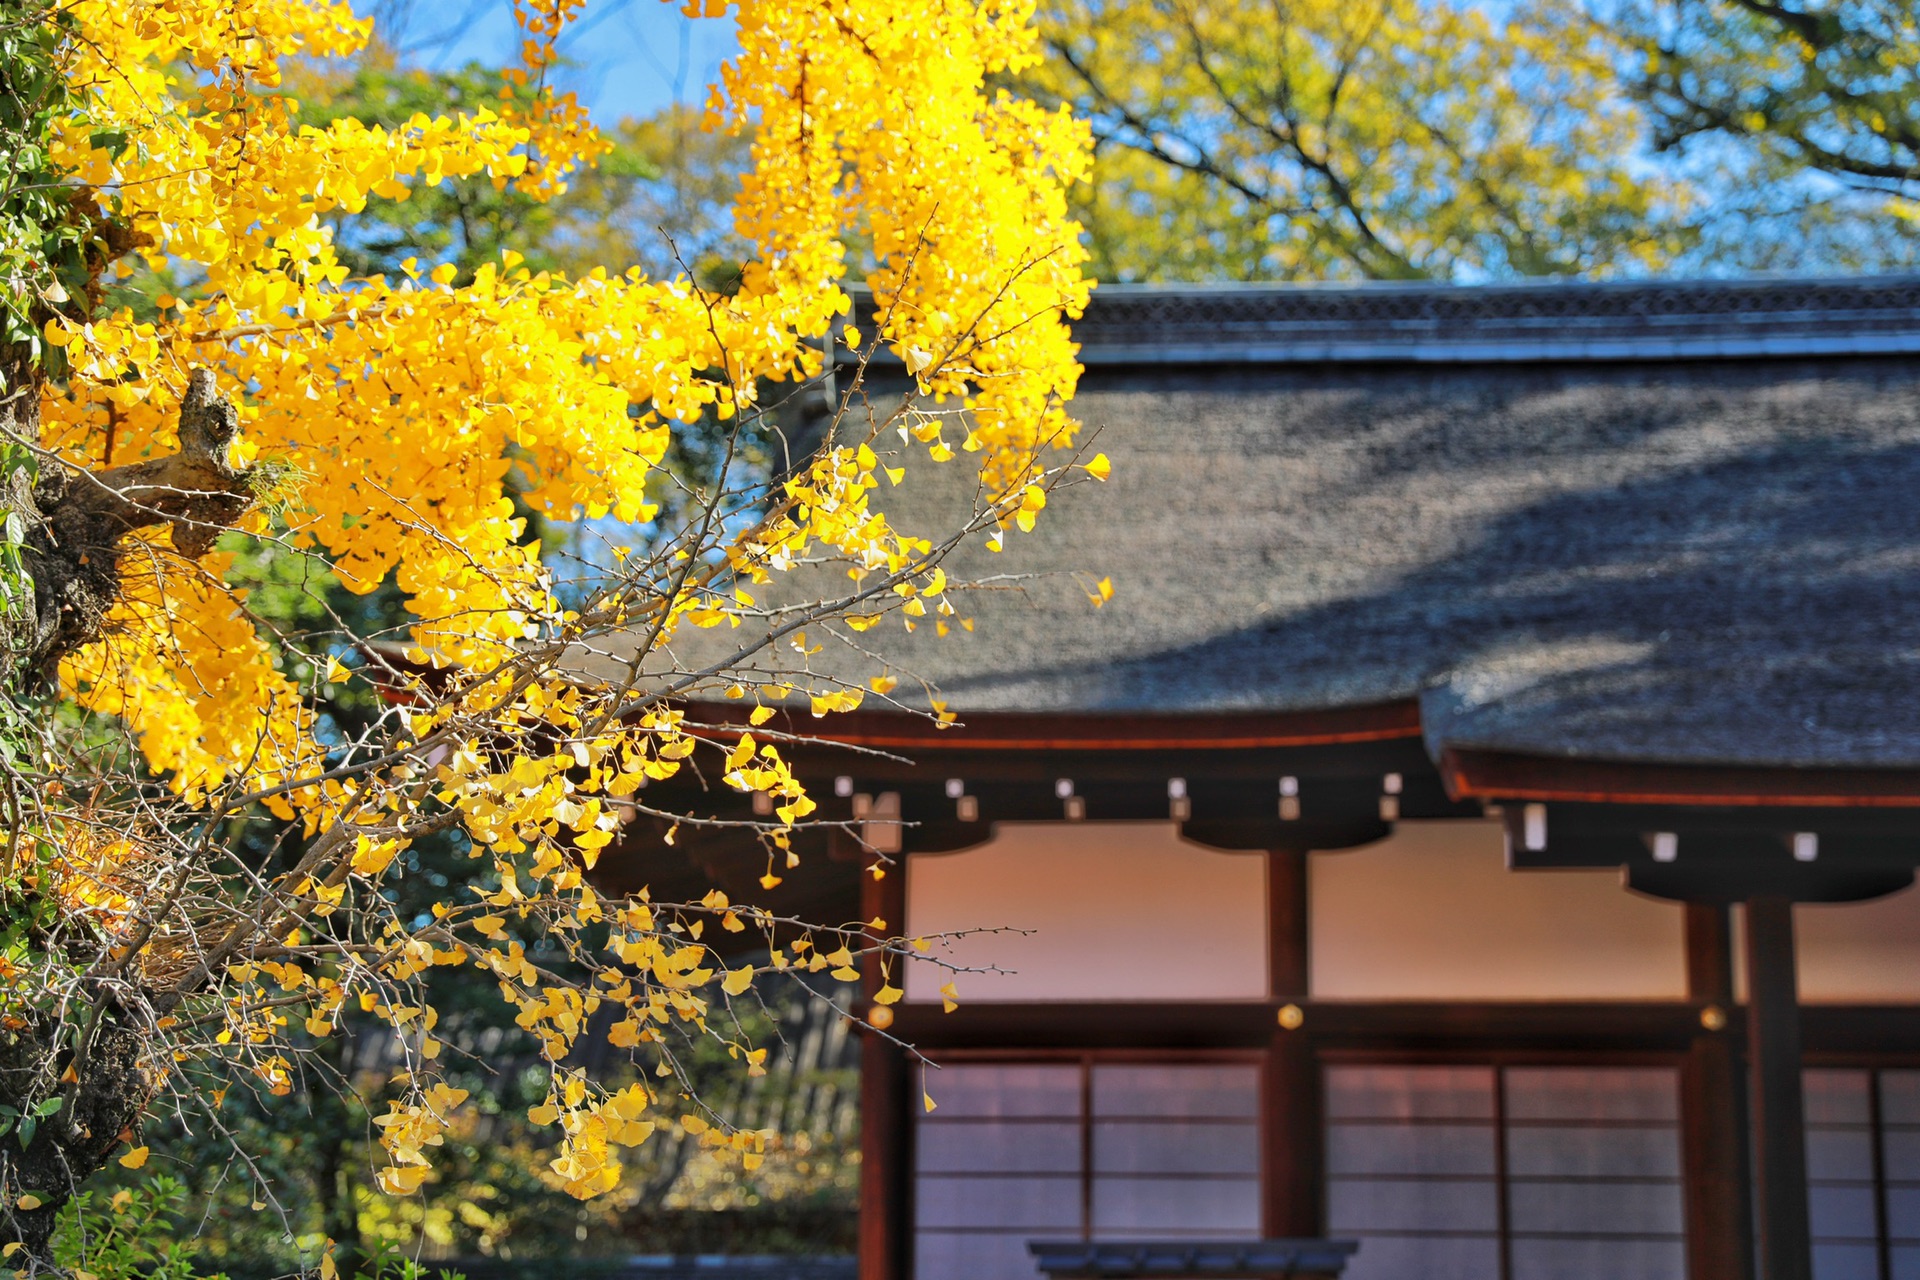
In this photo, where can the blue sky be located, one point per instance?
(633, 56)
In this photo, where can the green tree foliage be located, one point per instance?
(658, 199)
(1831, 86)
(1382, 139)
(312, 1155)
(44, 236)
(681, 214)
(1802, 118)
(135, 1233)
(1443, 139)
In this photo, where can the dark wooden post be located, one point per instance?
(1294, 1134)
(886, 1169)
(1779, 1120)
(1712, 1110)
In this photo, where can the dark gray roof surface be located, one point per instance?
(1701, 561)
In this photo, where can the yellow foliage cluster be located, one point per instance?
(403, 403)
(399, 405)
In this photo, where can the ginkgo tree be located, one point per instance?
(193, 881)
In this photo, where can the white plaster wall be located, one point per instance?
(1433, 913)
(1860, 952)
(1114, 910)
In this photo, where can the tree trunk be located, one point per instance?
(99, 1113)
(78, 521)
(89, 1068)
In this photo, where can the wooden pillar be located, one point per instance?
(886, 1161)
(1779, 1120)
(1713, 1137)
(1294, 1132)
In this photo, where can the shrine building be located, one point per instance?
(1481, 826)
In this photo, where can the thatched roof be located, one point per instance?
(1654, 557)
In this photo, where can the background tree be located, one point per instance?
(658, 197)
(1800, 118)
(678, 216)
(1833, 87)
(1436, 139)
(1385, 139)
(205, 849)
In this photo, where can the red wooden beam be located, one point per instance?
(886, 1152)
(1713, 1140)
(1042, 731)
(1293, 1126)
(1503, 776)
(1778, 1111)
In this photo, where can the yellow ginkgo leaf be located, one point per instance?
(134, 1158)
(402, 1180)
